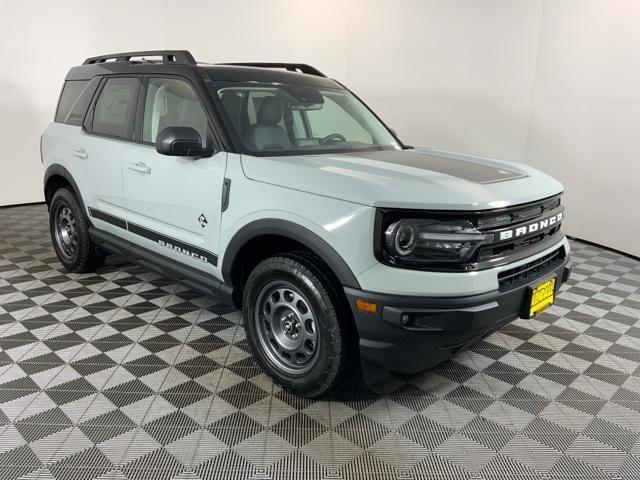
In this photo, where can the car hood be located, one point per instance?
(415, 178)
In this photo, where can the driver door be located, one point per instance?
(173, 204)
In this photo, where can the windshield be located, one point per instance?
(279, 119)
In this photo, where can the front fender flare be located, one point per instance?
(275, 226)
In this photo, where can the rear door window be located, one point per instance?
(115, 109)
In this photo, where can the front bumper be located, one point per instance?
(408, 334)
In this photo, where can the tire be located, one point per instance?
(69, 229)
(296, 289)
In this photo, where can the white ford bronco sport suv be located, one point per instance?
(277, 190)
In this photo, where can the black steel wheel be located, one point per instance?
(70, 233)
(298, 325)
(286, 327)
(65, 231)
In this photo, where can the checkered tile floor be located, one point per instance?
(124, 374)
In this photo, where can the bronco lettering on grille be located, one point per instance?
(531, 228)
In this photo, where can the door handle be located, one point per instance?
(139, 167)
(80, 153)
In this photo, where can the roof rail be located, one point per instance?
(292, 67)
(168, 56)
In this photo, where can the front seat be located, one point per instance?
(267, 134)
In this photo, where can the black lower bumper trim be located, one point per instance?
(410, 334)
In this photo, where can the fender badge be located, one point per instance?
(202, 220)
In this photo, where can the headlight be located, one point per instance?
(401, 238)
(431, 242)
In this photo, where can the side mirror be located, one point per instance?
(181, 142)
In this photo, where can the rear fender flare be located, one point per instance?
(57, 169)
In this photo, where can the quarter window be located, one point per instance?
(173, 103)
(116, 107)
(70, 94)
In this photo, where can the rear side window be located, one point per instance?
(115, 108)
(70, 94)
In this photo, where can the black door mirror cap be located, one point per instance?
(181, 142)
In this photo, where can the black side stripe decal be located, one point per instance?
(174, 244)
(161, 239)
(106, 217)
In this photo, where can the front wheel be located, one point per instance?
(297, 325)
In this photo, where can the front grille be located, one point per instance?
(518, 213)
(489, 252)
(534, 269)
(511, 219)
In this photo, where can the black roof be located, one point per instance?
(182, 62)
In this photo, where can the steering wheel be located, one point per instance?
(332, 138)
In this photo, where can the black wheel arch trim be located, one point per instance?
(57, 169)
(293, 231)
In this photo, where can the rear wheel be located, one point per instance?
(297, 325)
(70, 234)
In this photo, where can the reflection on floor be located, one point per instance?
(124, 374)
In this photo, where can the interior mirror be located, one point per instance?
(181, 142)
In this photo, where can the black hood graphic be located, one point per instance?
(464, 169)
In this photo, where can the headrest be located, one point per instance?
(270, 111)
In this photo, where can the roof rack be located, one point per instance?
(292, 67)
(168, 56)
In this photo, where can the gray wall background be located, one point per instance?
(552, 83)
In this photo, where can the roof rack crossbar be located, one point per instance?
(292, 67)
(168, 56)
